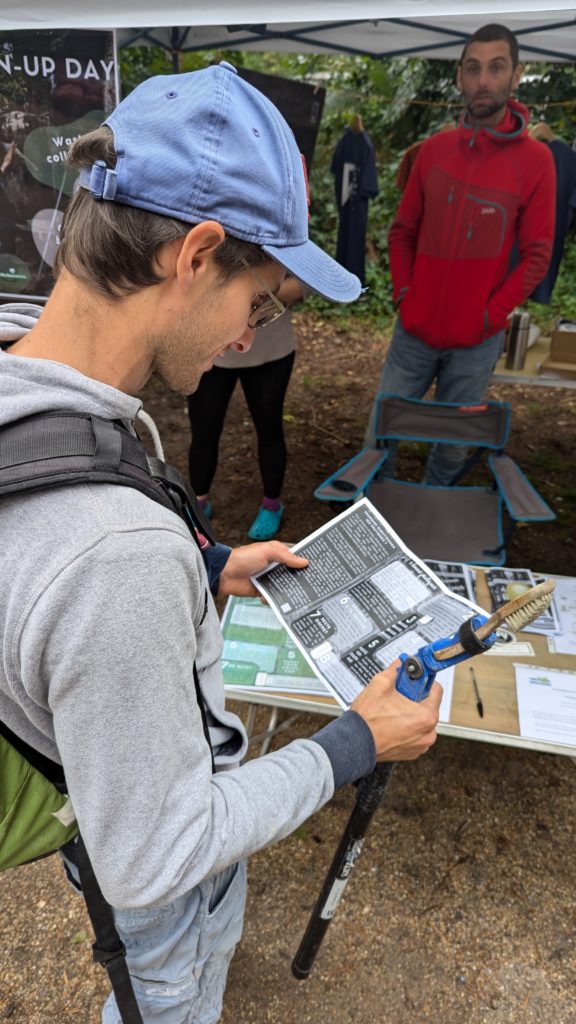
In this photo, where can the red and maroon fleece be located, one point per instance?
(472, 194)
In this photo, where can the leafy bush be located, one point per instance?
(402, 100)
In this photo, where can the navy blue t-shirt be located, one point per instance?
(565, 163)
(355, 180)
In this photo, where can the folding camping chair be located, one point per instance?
(454, 523)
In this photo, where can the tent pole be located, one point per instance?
(175, 51)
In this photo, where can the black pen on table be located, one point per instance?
(479, 703)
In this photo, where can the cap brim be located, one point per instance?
(317, 270)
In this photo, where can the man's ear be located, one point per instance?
(190, 254)
(516, 76)
(197, 250)
(459, 75)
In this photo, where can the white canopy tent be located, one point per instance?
(379, 28)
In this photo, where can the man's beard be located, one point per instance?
(488, 109)
(178, 365)
(492, 103)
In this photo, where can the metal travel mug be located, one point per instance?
(518, 332)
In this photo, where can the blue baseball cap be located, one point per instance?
(207, 145)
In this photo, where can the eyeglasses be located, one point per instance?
(265, 312)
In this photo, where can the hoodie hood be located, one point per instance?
(514, 124)
(31, 386)
(16, 319)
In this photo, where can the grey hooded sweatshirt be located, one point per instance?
(104, 608)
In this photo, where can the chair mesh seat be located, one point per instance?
(430, 520)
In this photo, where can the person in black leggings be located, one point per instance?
(264, 373)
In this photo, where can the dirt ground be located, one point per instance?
(461, 909)
(326, 411)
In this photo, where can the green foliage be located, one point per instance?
(402, 101)
(563, 302)
(140, 62)
(548, 91)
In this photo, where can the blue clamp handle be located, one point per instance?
(418, 671)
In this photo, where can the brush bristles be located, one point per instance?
(523, 616)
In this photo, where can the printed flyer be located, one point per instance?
(364, 599)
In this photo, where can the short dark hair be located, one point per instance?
(112, 247)
(494, 34)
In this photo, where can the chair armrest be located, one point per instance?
(350, 481)
(522, 500)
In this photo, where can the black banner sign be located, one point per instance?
(299, 102)
(54, 86)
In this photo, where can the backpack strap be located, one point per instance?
(57, 449)
(108, 949)
(51, 771)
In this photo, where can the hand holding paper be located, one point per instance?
(250, 559)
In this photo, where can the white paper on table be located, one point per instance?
(565, 599)
(546, 704)
(446, 680)
(514, 649)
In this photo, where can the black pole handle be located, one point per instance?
(368, 798)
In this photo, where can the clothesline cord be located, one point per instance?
(446, 105)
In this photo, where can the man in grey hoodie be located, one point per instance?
(192, 205)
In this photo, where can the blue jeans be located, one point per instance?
(461, 375)
(178, 954)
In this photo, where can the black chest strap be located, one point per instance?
(57, 449)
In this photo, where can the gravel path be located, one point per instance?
(461, 909)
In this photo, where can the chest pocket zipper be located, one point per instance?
(482, 201)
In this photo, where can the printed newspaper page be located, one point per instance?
(363, 600)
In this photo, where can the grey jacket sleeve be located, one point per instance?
(109, 645)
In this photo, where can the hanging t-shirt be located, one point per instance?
(354, 168)
(565, 163)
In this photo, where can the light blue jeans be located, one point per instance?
(461, 375)
(178, 955)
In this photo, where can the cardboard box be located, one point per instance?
(563, 343)
(548, 368)
(561, 362)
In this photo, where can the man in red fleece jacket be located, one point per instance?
(473, 193)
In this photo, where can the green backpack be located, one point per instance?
(36, 816)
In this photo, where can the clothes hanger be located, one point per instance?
(542, 131)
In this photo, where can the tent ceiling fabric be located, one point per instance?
(149, 13)
(540, 38)
(427, 28)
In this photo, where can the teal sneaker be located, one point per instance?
(266, 524)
